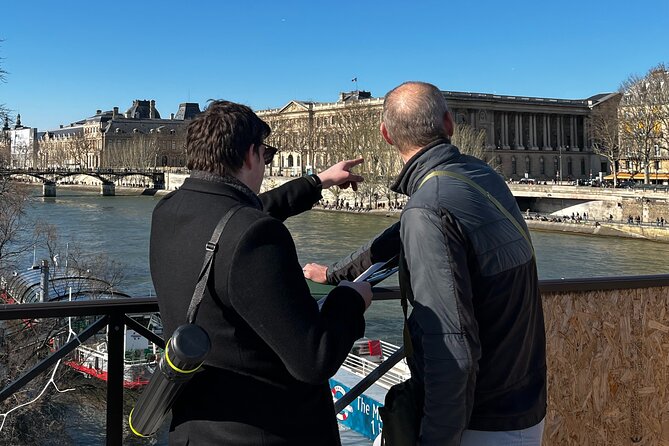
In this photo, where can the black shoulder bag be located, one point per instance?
(184, 353)
(402, 411)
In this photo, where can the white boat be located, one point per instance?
(42, 284)
(362, 414)
(141, 355)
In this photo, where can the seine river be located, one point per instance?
(119, 227)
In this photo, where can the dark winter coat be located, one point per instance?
(265, 380)
(477, 324)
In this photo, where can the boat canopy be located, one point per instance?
(25, 287)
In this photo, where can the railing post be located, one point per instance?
(115, 358)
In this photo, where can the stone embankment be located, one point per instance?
(643, 231)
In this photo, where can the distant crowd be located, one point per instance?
(345, 205)
(584, 218)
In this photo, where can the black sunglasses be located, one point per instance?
(269, 154)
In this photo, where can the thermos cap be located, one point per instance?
(189, 344)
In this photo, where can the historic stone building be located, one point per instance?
(643, 114)
(138, 139)
(539, 138)
(18, 145)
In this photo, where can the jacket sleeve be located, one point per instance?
(436, 257)
(380, 248)
(291, 198)
(267, 288)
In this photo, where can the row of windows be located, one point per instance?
(542, 166)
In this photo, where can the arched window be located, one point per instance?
(542, 167)
(582, 166)
(290, 160)
(569, 166)
(528, 165)
(513, 166)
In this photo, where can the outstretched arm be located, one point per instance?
(299, 195)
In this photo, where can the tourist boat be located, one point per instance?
(43, 284)
(362, 414)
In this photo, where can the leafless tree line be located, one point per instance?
(635, 124)
(352, 131)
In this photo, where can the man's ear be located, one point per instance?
(448, 124)
(384, 133)
(250, 156)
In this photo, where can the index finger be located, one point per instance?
(352, 163)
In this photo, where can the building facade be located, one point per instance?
(18, 145)
(539, 138)
(136, 139)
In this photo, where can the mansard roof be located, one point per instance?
(141, 109)
(127, 125)
(72, 130)
(187, 110)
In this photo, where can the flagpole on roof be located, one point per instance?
(355, 79)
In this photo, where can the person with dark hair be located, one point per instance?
(265, 381)
(467, 266)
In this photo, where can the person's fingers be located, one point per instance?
(355, 178)
(349, 164)
(354, 186)
(345, 185)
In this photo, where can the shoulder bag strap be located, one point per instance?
(210, 250)
(485, 193)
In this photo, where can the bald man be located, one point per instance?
(467, 267)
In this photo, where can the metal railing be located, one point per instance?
(115, 314)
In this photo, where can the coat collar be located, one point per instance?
(422, 163)
(210, 183)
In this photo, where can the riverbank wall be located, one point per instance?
(605, 229)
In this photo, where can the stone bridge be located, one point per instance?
(107, 177)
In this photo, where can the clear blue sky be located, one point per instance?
(67, 59)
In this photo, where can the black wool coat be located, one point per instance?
(265, 379)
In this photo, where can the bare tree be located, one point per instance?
(139, 151)
(643, 110)
(13, 239)
(72, 150)
(3, 108)
(605, 128)
(471, 141)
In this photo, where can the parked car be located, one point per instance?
(526, 181)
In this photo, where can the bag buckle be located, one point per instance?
(211, 246)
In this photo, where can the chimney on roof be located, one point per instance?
(61, 126)
(115, 113)
(152, 110)
(171, 115)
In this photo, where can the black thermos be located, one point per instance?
(184, 354)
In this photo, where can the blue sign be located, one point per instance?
(362, 415)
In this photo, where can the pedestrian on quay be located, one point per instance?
(467, 266)
(265, 381)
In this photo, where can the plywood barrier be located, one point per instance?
(608, 367)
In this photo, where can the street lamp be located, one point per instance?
(560, 160)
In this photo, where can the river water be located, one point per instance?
(119, 227)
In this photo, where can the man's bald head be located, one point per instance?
(414, 115)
